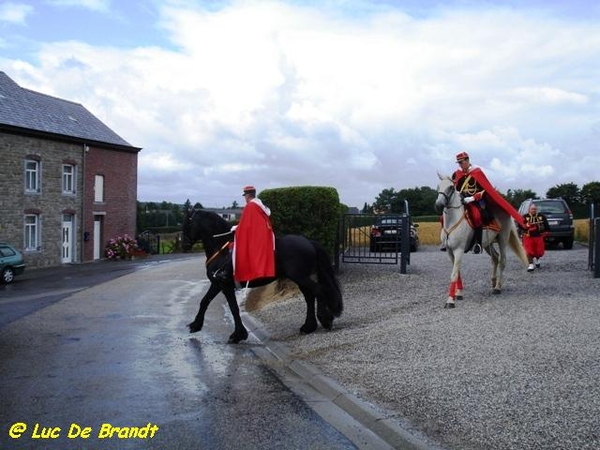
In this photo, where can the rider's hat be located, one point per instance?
(462, 156)
(249, 190)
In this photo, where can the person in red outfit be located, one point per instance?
(254, 242)
(478, 195)
(536, 227)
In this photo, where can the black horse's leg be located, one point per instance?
(198, 322)
(324, 315)
(240, 333)
(308, 288)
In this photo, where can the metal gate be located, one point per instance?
(149, 242)
(363, 239)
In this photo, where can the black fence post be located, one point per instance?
(405, 244)
(596, 247)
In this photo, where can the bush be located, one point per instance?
(312, 211)
(122, 247)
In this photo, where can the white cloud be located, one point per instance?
(275, 94)
(15, 12)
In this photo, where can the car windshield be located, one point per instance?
(550, 207)
(6, 251)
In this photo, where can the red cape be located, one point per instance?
(494, 197)
(254, 247)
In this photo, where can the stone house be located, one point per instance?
(68, 183)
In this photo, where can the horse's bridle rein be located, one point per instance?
(447, 206)
(209, 260)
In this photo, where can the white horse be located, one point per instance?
(457, 234)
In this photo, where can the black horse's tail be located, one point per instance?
(330, 291)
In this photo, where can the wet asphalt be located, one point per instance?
(97, 356)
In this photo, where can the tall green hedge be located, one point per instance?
(312, 211)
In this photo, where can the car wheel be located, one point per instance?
(568, 243)
(8, 275)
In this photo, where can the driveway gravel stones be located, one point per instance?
(519, 370)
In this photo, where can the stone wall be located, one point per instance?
(50, 202)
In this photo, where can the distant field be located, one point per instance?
(429, 232)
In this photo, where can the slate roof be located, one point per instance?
(27, 111)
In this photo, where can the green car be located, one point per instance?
(11, 263)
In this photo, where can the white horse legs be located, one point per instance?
(456, 286)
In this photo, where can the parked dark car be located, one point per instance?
(560, 219)
(386, 234)
(11, 263)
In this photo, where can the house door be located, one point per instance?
(67, 239)
(97, 237)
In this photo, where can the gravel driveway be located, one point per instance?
(519, 370)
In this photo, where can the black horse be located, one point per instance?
(296, 258)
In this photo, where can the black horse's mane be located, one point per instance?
(201, 219)
(217, 221)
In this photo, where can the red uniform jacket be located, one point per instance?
(254, 244)
(492, 195)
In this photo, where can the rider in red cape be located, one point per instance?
(472, 183)
(254, 244)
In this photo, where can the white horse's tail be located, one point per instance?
(517, 246)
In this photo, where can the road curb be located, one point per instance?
(365, 425)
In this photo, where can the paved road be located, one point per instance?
(94, 347)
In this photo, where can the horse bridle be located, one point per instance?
(447, 206)
(448, 198)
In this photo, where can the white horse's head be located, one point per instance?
(445, 191)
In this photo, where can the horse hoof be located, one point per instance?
(238, 336)
(459, 297)
(496, 291)
(326, 322)
(449, 305)
(305, 329)
(194, 328)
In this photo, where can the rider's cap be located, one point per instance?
(249, 190)
(462, 156)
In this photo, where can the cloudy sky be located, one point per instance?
(354, 94)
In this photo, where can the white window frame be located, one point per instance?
(31, 233)
(68, 179)
(99, 189)
(32, 176)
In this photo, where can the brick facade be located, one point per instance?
(118, 210)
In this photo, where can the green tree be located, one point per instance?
(421, 200)
(385, 201)
(590, 193)
(568, 191)
(516, 197)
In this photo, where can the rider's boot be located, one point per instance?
(478, 235)
(475, 243)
